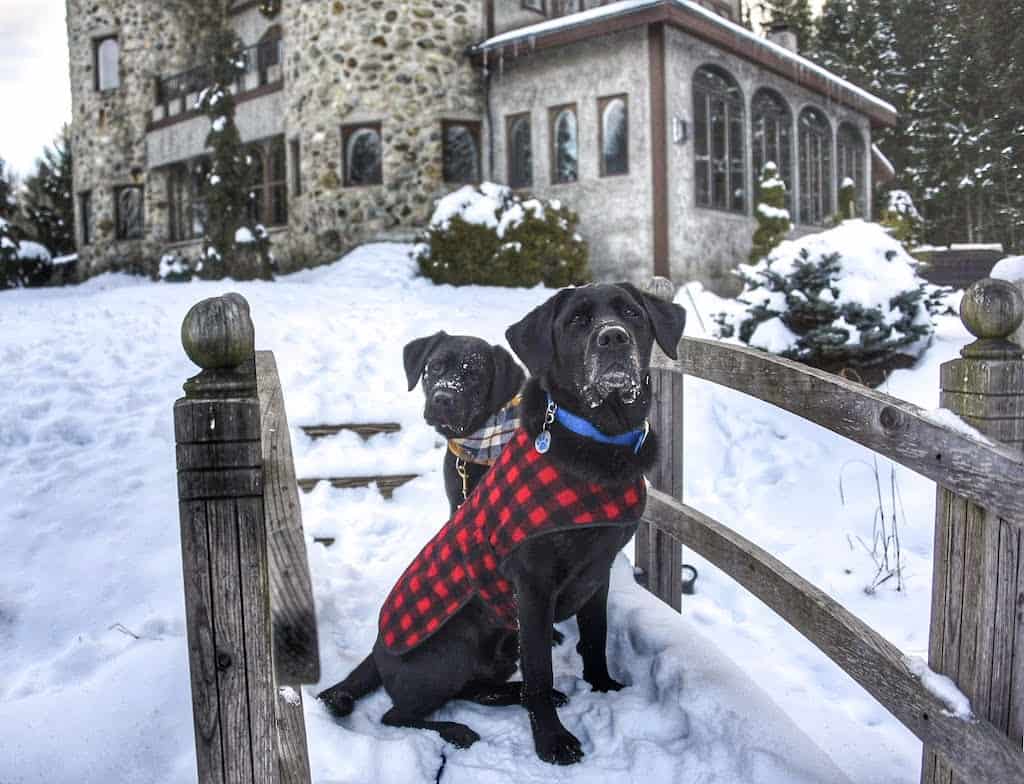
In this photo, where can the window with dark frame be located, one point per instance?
(460, 142)
(720, 161)
(815, 138)
(772, 138)
(613, 117)
(535, 5)
(85, 216)
(363, 155)
(107, 63)
(519, 149)
(294, 149)
(129, 213)
(565, 144)
(268, 204)
(563, 7)
(188, 212)
(850, 154)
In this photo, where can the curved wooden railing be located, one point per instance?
(977, 630)
(251, 620)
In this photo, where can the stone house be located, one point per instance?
(650, 118)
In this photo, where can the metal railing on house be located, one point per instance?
(178, 94)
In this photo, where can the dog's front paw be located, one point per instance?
(559, 748)
(459, 735)
(605, 683)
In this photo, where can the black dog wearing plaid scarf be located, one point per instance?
(536, 540)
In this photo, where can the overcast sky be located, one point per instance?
(35, 94)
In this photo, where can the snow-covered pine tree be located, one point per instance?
(235, 243)
(48, 204)
(773, 219)
(8, 233)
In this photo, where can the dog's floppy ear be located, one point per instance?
(667, 319)
(508, 378)
(416, 354)
(532, 338)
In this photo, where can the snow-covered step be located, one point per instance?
(364, 430)
(387, 484)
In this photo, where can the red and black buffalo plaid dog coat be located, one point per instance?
(522, 496)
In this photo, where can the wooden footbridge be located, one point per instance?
(251, 622)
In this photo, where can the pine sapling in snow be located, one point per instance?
(773, 219)
(230, 200)
(847, 199)
(902, 219)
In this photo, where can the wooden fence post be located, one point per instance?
(977, 622)
(224, 548)
(658, 554)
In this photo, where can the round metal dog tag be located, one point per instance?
(543, 442)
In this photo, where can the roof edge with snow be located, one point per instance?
(697, 21)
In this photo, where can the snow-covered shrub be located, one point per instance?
(22, 262)
(177, 269)
(773, 219)
(491, 236)
(846, 298)
(902, 219)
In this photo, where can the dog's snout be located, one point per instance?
(613, 335)
(443, 399)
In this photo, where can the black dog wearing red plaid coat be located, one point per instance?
(448, 634)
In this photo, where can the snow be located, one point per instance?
(27, 249)
(941, 687)
(244, 236)
(482, 206)
(627, 7)
(770, 212)
(881, 158)
(91, 610)
(900, 203)
(774, 336)
(943, 416)
(1010, 268)
(219, 124)
(60, 261)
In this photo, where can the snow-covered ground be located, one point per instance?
(94, 682)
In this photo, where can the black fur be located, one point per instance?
(557, 575)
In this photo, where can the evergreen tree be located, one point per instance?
(235, 244)
(8, 232)
(795, 14)
(773, 219)
(48, 204)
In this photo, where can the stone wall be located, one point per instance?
(402, 64)
(615, 212)
(108, 130)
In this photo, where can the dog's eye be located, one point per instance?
(629, 312)
(435, 366)
(581, 318)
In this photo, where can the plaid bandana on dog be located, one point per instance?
(484, 446)
(522, 496)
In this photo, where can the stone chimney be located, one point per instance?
(782, 34)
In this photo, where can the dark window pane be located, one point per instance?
(85, 211)
(566, 147)
(461, 153)
(815, 167)
(363, 157)
(615, 137)
(129, 213)
(851, 152)
(296, 167)
(520, 153)
(771, 138)
(108, 67)
(718, 140)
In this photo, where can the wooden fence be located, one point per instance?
(252, 636)
(977, 621)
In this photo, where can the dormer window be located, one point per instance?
(107, 55)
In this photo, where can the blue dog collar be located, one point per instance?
(581, 427)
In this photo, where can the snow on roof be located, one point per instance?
(883, 160)
(992, 246)
(628, 7)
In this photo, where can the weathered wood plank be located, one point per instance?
(977, 750)
(296, 648)
(386, 484)
(988, 474)
(364, 430)
(292, 750)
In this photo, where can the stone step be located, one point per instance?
(387, 484)
(363, 429)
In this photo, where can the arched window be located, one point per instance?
(519, 151)
(772, 138)
(718, 140)
(815, 167)
(565, 147)
(460, 142)
(614, 136)
(850, 155)
(108, 66)
(363, 155)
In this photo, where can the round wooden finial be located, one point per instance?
(660, 287)
(992, 310)
(218, 333)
